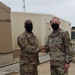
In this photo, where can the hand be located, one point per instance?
(43, 50)
(66, 66)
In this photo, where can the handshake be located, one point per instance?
(44, 49)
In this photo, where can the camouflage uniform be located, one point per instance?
(60, 51)
(28, 54)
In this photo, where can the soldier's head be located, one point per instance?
(28, 26)
(55, 23)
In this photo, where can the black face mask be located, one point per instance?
(29, 27)
(55, 26)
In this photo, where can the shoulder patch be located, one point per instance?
(63, 33)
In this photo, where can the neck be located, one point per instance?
(28, 32)
(56, 30)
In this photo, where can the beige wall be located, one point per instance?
(45, 25)
(40, 23)
(17, 23)
(5, 29)
(66, 26)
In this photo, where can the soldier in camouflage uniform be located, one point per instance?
(29, 50)
(60, 49)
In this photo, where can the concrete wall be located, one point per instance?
(17, 23)
(40, 26)
(6, 51)
(5, 29)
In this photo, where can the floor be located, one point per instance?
(44, 69)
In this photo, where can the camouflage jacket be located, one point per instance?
(29, 48)
(60, 47)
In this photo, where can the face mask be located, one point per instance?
(55, 26)
(29, 27)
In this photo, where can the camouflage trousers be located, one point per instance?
(30, 69)
(58, 70)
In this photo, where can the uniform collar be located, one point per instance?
(26, 33)
(55, 33)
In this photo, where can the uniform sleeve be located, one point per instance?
(46, 44)
(24, 45)
(36, 44)
(68, 48)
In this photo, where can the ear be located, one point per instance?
(50, 21)
(59, 23)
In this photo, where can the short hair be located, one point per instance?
(54, 18)
(27, 21)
